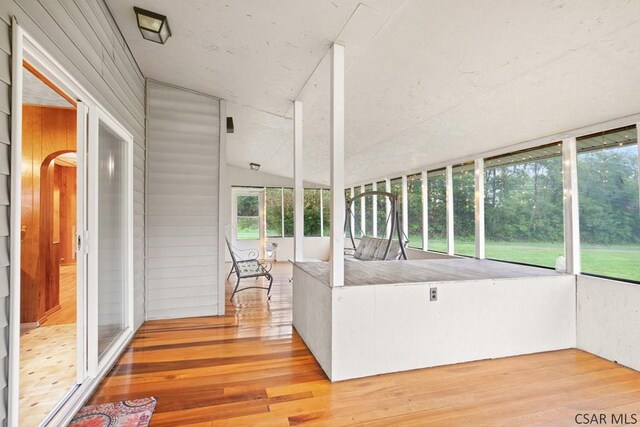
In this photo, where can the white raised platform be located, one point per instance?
(383, 321)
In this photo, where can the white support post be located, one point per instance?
(298, 186)
(363, 214)
(336, 275)
(449, 204)
(425, 211)
(352, 217)
(638, 144)
(321, 215)
(374, 187)
(570, 197)
(282, 211)
(479, 207)
(387, 183)
(405, 206)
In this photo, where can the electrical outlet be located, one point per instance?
(433, 294)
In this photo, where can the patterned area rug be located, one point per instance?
(127, 413)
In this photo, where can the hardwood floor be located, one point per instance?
(250, 368)
(68, 299)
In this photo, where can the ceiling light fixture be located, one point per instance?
(153, 26)
(254, 166)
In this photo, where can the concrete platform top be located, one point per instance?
(421, 271)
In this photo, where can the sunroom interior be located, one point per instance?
(445, 196)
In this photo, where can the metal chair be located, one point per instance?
(249, 268)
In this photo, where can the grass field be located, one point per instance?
(619, 262)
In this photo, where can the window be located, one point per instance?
(312, 223)
(382, 210)
(523, 206)
(464, 223)
(289, 212)
(355, 210)
(414, 194)
(368, 211)
(273, 200)
(326, 212)
(248, 217)
(437, 210)
(396, 189)
(608, 204)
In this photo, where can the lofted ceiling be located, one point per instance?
(427, 80)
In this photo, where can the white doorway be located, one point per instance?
(248, 227)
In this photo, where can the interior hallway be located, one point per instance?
(250, 367)
(48, 356)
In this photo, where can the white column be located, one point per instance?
(374, 187)
(449, 204)
(638, 144)
(363, 215)
(298, 187)
(336, 276)
(352, 216)
(425, 211)
(321, 215)
(479, 205)
(405, 206)
(570, 197)
(387, 183)
(282, 211)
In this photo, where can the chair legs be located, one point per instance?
(268, 289)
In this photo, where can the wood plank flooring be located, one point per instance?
(250, 368)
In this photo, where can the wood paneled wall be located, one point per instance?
(65, 185)
(47, 132)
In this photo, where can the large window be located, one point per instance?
(523, 206)
(381, 203)
(273, 200)
(248, 217)
(396, 189)
(312, 222)
(368, 211)
(326, 212)
(437, 210)
(608, 202)
(289, 212)
(464, 223)
(414, 194)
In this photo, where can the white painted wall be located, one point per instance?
(609, 319)
(312, 316)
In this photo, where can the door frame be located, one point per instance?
(24, 46)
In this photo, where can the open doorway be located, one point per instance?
(48, 281)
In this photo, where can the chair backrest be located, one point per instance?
(233, 255)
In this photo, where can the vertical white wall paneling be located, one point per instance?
(570, 197)
(449, 204)
(405, 207)
(298, 186)
(183, 203)
(425, 211)
(374, 187)
(224, 199)
(363, 215)
(479, 205)
(336, 277)
(387, 183)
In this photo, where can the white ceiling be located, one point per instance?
(36, 92)
(426, 81)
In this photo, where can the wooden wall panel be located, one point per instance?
(65, 182)
(47, 131)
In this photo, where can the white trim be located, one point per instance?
(479, 207)
(425, 211)
(363, 215)
(374, 187)
(638, 144)
(146, 197)
(449, 205)
(223, 199)
(571, 214)
(321, 214)
(281, 211)
(405, 206)
(352, 216)
(15, 220)
(387, 183)
(298, 184)
(336, 258)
